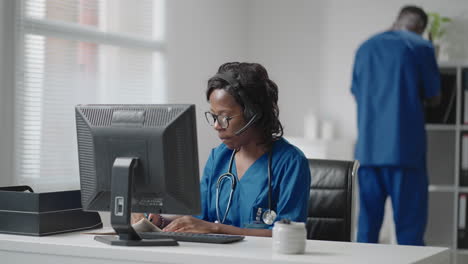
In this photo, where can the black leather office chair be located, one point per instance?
(330, 214)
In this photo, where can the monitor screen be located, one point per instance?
(138, 158)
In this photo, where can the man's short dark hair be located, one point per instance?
(414, 10)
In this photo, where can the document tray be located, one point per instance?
(40, 214)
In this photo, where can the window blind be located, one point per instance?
(73, 52)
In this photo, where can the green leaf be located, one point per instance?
(436, 25)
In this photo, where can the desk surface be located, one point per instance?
(76, 248)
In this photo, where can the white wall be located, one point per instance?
(201, 35)
(308, 47)
(285, 37)
(347, 24)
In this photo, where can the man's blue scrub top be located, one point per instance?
(290, 186)
(393, 72)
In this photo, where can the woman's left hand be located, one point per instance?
(192, 225)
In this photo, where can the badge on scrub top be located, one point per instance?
(257, 223)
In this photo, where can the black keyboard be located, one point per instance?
(192, 237)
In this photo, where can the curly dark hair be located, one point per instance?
(251, 87)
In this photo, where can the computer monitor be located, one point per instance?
(138, 158)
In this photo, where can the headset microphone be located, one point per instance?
(249, 124)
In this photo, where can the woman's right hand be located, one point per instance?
(155, 219)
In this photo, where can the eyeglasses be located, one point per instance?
(223, 121)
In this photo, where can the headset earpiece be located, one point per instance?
(251, 113)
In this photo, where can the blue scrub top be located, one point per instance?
(290, 186)
(393, 72)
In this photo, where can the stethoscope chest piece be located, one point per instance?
(269, 217)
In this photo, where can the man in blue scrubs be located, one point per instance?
(247, 197)
(395, 74)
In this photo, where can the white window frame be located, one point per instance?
(64, 30)
(7, 89)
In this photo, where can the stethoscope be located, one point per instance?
(268, 216)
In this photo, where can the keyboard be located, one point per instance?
(192, 237)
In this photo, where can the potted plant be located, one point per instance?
(436, 29)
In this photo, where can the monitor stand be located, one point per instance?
(123, 172)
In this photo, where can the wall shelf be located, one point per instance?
(441, 188)
(441, 127)
(445, 129)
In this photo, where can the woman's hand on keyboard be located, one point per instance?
(191, 224)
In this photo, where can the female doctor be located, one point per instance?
(254, 177)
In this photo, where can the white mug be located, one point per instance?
(289, 238)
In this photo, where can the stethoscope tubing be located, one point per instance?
(269, 180)
(233, 179)
(230, 176)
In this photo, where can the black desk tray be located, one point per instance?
(41, 214)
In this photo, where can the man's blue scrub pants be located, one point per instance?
(408, 190)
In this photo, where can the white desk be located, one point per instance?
(79, 248)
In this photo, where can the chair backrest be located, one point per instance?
(330, 213)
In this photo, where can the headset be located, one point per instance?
(269, 215)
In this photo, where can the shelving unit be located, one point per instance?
(444, 160)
